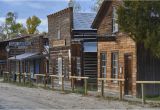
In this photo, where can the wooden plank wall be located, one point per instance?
(148, 69)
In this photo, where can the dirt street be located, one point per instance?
(15, 97)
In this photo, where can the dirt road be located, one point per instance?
(14, 97)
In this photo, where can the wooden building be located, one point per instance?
(69, 34)
(120, 57)
(4, 64)
(34, 58)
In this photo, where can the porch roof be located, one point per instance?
(24, 56)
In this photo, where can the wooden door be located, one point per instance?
(128, 74)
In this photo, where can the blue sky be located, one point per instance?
(40, 8)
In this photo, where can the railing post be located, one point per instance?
(52, 82)
(23, 78)
(120, 90)
(142, 88)
(102, 88)
(37, 80)
(85, 81)
(62, 83)
(30, 80)
(72, 79)
(45, 81)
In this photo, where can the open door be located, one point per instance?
(60, 69)
(128, 74)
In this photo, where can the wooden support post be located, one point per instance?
(85, 81)
(62, 84)
(30, 80)
(143, 98)
(37, 80)
(45, 81)
(19, 78)
(4, 76)
(24, 79)
(72, 79)
(52, 78)
(102, 88)
(120, 91)
(8, 77)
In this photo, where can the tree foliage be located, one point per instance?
(11, 28)
(141, 20)
(32, 23)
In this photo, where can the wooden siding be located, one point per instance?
(148, 69)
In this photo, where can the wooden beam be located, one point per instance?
(148, 82)
(102, 88)
(142, 88)
(85, 81)
(120, 91)
(111, 79)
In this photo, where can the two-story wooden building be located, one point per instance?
(70, 37)
(120, 57)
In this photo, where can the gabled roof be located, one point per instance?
(101, 13)
(83, 21)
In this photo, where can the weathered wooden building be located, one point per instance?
(4, 63)
(70, 39)
(120, 57)
(34, 59)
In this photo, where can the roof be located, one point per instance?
(83, 21)
(23, 56)
(101, 13)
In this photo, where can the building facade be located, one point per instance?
(116, 51)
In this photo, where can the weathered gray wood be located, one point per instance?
(102, 88)
(143, 98)
(85, 81)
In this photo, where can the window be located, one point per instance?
(103, 65)
(114, 65)
(78, 66)
(114, 19)
(59, 34)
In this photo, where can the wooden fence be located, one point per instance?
(77, 77)
(57, 76)
(111, 79)
(142, 87)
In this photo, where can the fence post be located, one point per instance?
(102, 88)
(30, 80)
(45, 81)
(37, 80)
(72, 79)
(120, 92)
(52, 82)
(142, 88)
(23, 78)
(85, 81)
(62, 83)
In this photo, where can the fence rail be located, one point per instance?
(142, 87)
(112, 79)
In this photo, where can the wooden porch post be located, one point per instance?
(85, 81)
(120, 90)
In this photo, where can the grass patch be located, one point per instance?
(154, 98)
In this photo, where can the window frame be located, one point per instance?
(114, 65)
(103, 67)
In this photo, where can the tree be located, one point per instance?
(141, 20)
(32, 23)
(11, 28)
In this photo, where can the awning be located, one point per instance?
(24, 56)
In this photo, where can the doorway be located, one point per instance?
(128, 74)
